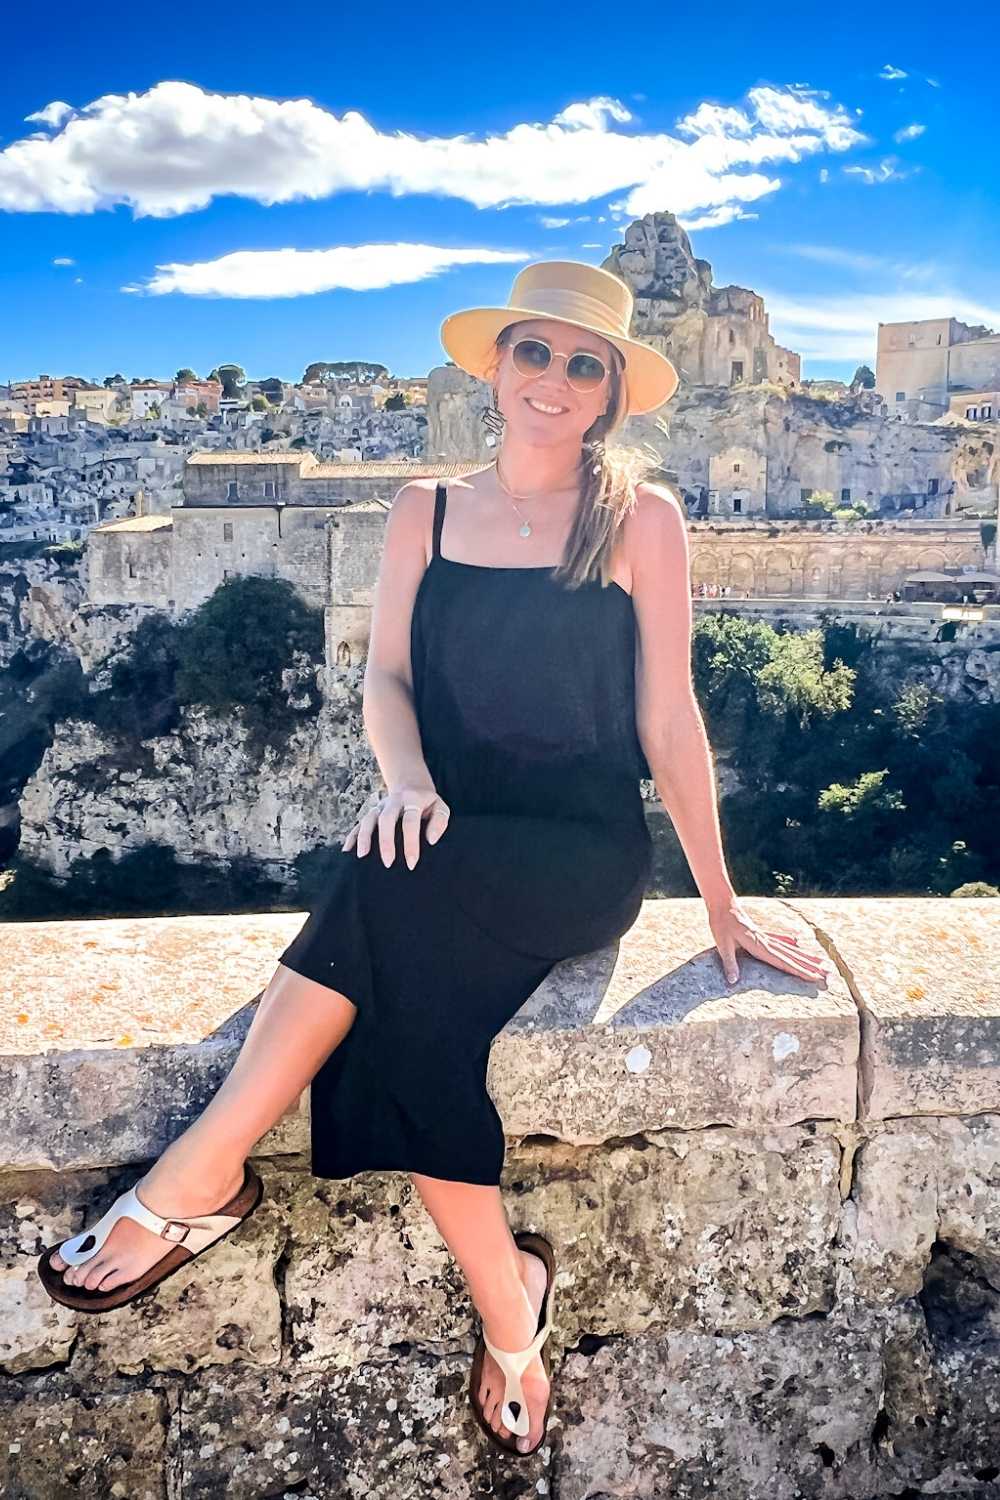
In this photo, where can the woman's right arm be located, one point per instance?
(388, 708)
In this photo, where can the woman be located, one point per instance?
(528, 665)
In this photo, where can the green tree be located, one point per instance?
(184, 376)
(232, 652)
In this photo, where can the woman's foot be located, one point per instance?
(516, 1331)
(170, 1188)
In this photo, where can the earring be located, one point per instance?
(494, 420)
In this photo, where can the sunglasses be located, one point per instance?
(584, 372)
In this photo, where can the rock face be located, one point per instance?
(716, 336)
(665, 276)
(198, 792)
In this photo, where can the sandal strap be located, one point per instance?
(194, 1232)
(513, 1363)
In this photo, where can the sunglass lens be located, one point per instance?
(531, 356)
(585, 372)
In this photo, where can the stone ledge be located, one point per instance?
(114, 1034)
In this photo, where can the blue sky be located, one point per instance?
(207, 184)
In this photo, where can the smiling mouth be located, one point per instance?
(544, 409)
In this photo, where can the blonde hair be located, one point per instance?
(606, 497)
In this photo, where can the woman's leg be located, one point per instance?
(505, 1284)
(297, 1025)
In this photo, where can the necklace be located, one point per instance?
(525, 528)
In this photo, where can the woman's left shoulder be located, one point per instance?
(654, 520)
(650, 496)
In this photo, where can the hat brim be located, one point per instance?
(469, 338)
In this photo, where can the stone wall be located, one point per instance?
(775, 1211)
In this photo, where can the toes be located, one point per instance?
(57, 1263)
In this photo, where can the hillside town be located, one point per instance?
(746, 440)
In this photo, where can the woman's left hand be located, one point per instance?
(733, 927)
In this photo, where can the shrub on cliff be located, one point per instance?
(232, 652)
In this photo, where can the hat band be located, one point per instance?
(577, 307)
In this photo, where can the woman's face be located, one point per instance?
(578, 409)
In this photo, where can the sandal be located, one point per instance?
(513, 1362)
(188, 1237)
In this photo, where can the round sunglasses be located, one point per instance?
(585, 372)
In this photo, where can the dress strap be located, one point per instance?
(440, 500)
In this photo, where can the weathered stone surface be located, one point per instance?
(919, 1184)
(929, 1000)
(669, 1043)
(398, 1429)
(745, 1222)
(941, 1399)
(197, 791)
(609, 1043)
(36, 1209)
(60, 1441)
(782, 1415)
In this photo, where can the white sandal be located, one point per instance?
(513, 1362)
(188, 1238)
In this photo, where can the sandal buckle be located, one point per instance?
(174, 1237)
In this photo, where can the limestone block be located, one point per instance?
(941, 1402)
(920, 1185)
(743, 1222)
(36, 1209)
(365, 1270)
(927, 983)
(59, 1442)
(782, 1415)
(665, 1042)
(108, 1045)
(394, 1429)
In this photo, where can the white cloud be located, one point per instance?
(890, 73)
(64, 260)
(845, 326)
(886, 171)
(593, 114)
(824, 174)
(53, 114)
(909, 132)
(834, 255)
(548, 222)
(297, 273)
(716, 218)
(176, 147)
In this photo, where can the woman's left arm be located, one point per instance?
(672, 731)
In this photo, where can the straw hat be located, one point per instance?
(570, 292)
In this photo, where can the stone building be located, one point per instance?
(737, 482)
(715, 336)
(976, 406)
(921, 363)
(272, 515)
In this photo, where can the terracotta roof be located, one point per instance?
(395, 469)
(136, 523)
(222, 456)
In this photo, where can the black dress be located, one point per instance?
(525, 697)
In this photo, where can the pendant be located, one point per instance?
(525, 530)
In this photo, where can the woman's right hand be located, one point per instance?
(415, 801)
